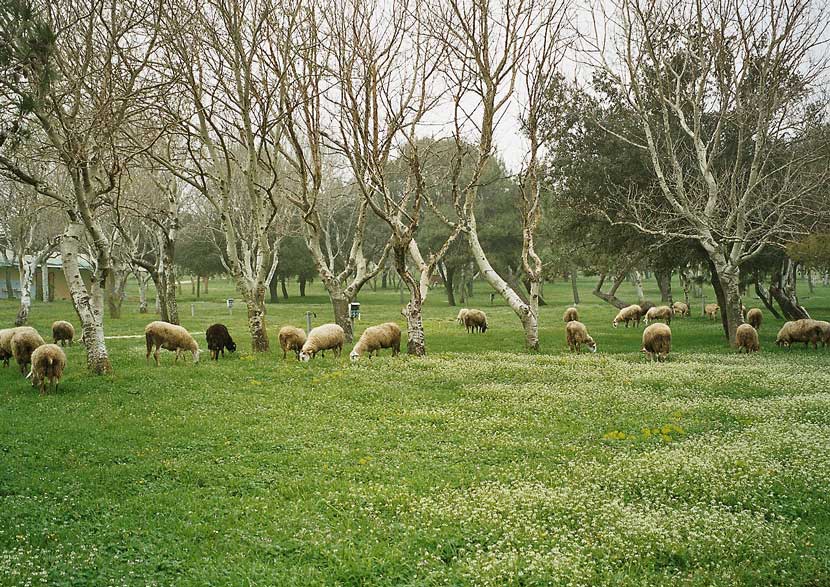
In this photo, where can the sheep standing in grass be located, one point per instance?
(48, 363)
(63, 331)
(631, 313)
(576, 334)
(754, 317)
(570, 315)
(374, 338)
(168, 336)
(711, 311)
(680, 309)
(746, 339)
(6, 342)
(218, 339)
(825, 332)
(24, 342)
(475, 321)
(657, 342)
(461, 314)
(322, 338)
(291, 339)
(806, 331)
(659, 313)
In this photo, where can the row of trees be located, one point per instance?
(701, 136)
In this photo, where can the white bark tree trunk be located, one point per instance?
(44, 278)
(638, 286)
(89, 304)
(27, 276)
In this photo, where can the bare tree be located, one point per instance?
(489, 45)
(720, 92)
(302, 61)
(30, 229)
(227, 112)
(78, 76)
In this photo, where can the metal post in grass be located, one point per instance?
(192, 310)
(308, 321)
(492, 298)
(229, 302)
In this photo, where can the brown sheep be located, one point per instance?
(680, 309)
(63, 331)
(168, 336)
(754, 317)
(48, 363)
(664, 313)
(746, 339)
(291, 339)
(711, 311)
(576, 334)
(806, 331)
(24, 342)
(6, 342)
(374, 338)
(570, 315)
(632, 313)
(475, 321)
(825, 332)
(657, 342)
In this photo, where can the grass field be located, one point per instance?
(477, 465)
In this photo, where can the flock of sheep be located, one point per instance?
(657, 337)
(46, 362)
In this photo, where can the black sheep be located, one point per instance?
(219, 339)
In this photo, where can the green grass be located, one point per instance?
(477, 465)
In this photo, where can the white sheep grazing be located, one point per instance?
(6, 342)
(657, 342)
(374, 338)
(462, 313)
(291, 339)
(24, 342)
(631, 313)
(322, 338)
(48, 363)
(576, 335)
(664, 313)
(680, 309)
(168, 336)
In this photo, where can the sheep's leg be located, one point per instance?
(156, 355)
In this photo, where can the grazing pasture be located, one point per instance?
(478, 464)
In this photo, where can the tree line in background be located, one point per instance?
(350, 140)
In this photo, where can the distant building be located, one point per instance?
(58, 288)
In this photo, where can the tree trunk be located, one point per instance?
(383, 279)
(9, 287)
(521, 308)
(810, 285)
(637, 280)
(44, 279)
(273, 294)
(413, 312)
(89, 304)
(340, 306)
(766, 298)
(115, 292)
(611, 297)
(726, 282)
(825, 279)
(530, 322)
(574, 288)
(302, 286)
(207, 281)
(142, 293)
(449, 274)
(254, 297)
(198, 285)
(193, 285)
(663, 278)
(170, 280)
(27, 276)
(784, 290)
(686, 282)
(284, 288)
